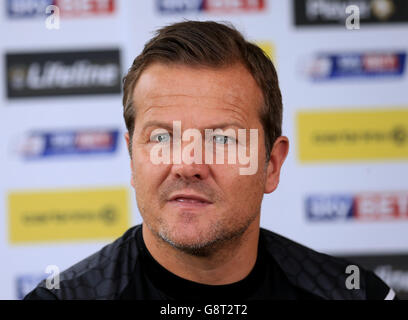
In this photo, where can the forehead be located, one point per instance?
(230, 89)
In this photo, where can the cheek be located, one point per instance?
(143, 170)
(240, 190)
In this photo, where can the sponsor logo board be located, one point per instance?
(333, 12)
(26, 283)
(269, 49)
(180, 6)
(332, 66)
(67, 215)
(327, 136)
(68, 8)
(63, 73)
(45, 144)
(365, 207)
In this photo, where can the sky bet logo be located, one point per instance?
(363, 207)
(46, 144)
(180, 6)
(70, 8)
(355, 65)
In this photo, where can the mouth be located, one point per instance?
(189, 200)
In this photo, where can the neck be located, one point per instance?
(232, 261)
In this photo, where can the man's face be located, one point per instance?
(194, 206)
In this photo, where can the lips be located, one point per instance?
(189, 199)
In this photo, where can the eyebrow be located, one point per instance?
(169, 127)
(155, 123)
(226, 124)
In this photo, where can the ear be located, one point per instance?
(127, 138)
(278, 155)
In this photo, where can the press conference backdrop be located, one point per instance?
(64, 167)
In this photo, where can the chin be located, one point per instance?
(191, 245)
(198, 239)
(188, 237)
(189, 234)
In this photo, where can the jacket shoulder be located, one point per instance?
(103, 275)
(320, 274)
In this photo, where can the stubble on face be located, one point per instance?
(228, 228)
(236, 199)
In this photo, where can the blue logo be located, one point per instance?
(332, 207)
(363, 207)
(42, 144)
(72, 8)
(27, 8)
(178, 6)
(351, 65)
(26, 283)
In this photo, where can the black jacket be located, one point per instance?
(284, 269)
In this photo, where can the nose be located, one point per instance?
(191, 171)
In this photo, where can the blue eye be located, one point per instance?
(221, 139)
(161, 138)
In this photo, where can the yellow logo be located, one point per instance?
(68, 215)
(269, 49)
(352, 135)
